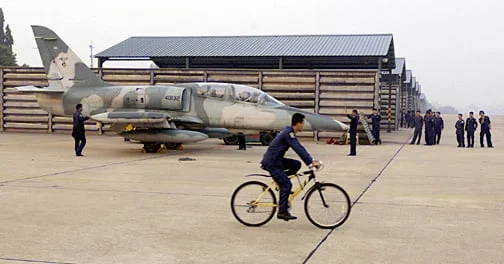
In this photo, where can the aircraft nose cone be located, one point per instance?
(323, 123)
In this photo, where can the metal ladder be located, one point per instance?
(366, 128)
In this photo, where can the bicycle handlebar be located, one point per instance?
(319, 168)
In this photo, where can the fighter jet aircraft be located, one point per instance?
(168, 114)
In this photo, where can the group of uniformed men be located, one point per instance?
(434, 125)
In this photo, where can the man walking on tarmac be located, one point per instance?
(78, 130)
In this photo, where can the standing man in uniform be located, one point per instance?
(471, 125)
(429, 128)
(78, 130)
(418, 124)
(459, 127)
(485, 129)
(354, 121)
(375, 120)
(438, 127)
(279, 167)
(242, 144)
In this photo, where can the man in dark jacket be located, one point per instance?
(354, 121)
(78, 130)
(418, 125)
(485, 129)
(279, 167)
(375, 124)
(470, 127)
(429, 128)
(438, 127)
(459, 127)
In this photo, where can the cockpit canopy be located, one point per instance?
(235, 92)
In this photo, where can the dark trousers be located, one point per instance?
(429, 136)
(470, 139)
(438, 136)
(241, 142)
(488, 137)
(460, 139)
(280, 175)
(80, 142)
(353, 144)
(417, 133)
(376, 135)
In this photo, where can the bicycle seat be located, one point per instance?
(257, 174)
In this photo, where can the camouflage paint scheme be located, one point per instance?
(178, 113)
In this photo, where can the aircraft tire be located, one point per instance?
(231, 140)
(152, 147)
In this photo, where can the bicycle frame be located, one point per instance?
(292, 196)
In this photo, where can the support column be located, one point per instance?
(50, 123)
(1, 99)
(317, 102)
(389, 112)
(100, 67)
(260, 81)
(151, 81)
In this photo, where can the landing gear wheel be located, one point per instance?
(267, 138)
(246, 210)
(231, 140)
(172, 145)
(152, 147)
(327, 206)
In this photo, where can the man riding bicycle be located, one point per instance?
(279, 167)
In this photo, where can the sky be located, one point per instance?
(454, 48)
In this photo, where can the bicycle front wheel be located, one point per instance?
(252, 205)
(327, 205)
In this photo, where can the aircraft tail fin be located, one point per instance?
(63, 67)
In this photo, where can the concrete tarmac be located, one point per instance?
(412, 204)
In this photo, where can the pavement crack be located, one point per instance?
(356, 200)
(35, 261)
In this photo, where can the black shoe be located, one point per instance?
(418, 143)
(286, 216)
(79, 155)
(352, 155)
(411, 143)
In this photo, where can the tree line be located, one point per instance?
(7, 57)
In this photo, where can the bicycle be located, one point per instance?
(259, 201)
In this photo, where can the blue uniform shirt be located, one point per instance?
(485, 123)
(273, 157)
(78, 122)
(471, 124)
(438, 123)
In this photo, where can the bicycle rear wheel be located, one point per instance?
(327, 205)
(252, 205)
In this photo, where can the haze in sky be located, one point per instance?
(453, 47)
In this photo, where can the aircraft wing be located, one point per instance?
(37, 89)
(143, 118)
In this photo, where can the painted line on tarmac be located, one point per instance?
(35, 261)
(356, 200)
(88, 168)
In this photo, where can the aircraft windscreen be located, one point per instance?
(252, 95)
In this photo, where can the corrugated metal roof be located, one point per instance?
(400, 63)
(254, 46)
